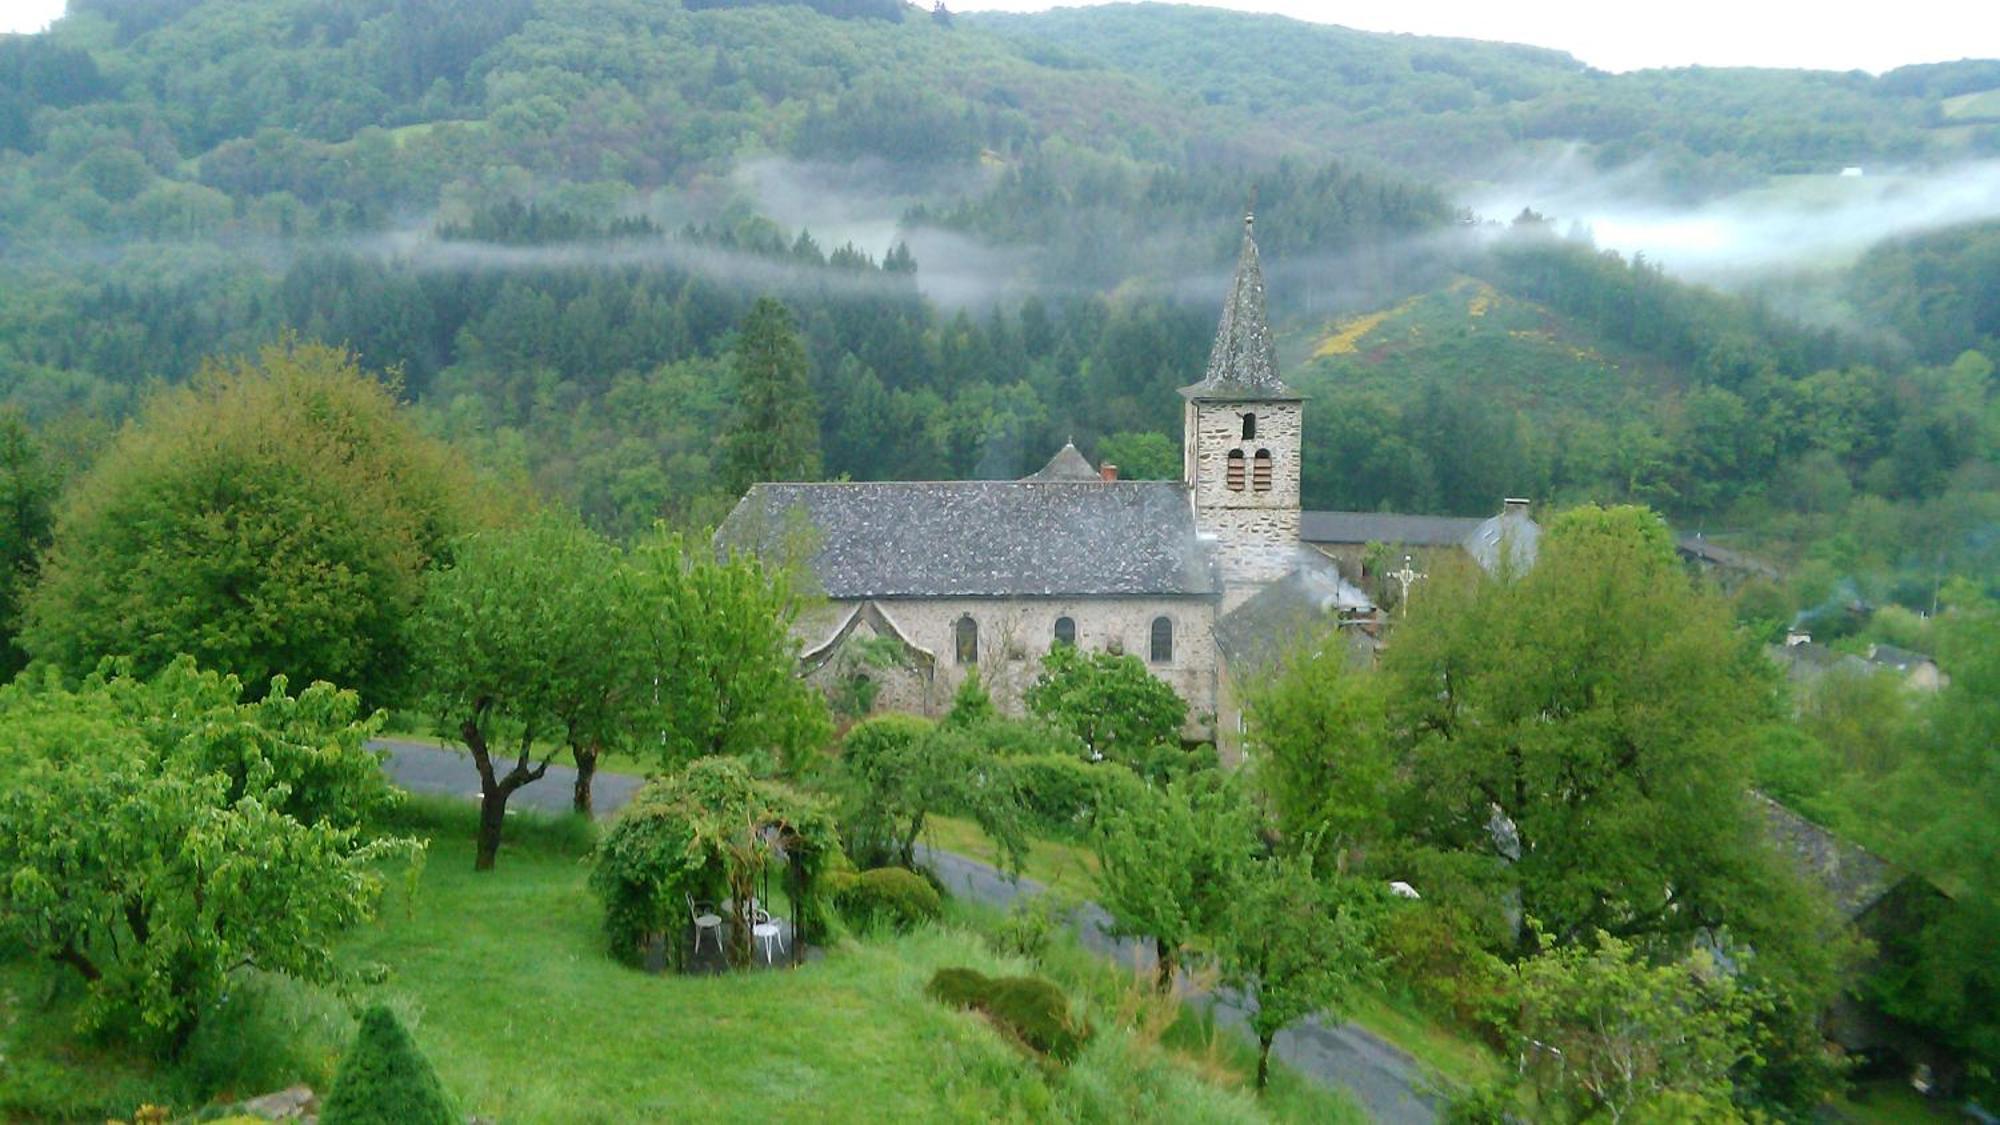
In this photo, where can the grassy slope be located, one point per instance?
(527, 1019)
(1516, 354)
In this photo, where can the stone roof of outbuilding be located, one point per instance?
(895, 539)
(1511, 538)
(1853, 876)
(1310, 598)
(1244, 362)
(1067, 464)
(1385, 527)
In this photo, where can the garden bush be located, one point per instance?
(385, 1080)
(1062, 796)
(1029, 927)
(892, 896)
(1034, 1010)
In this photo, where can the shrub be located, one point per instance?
(1061, 797)
(1029, 927)
(385, 1080)
(1031, 1009)
(893, 896)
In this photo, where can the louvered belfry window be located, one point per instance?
(1260, 472)
(1234, 476)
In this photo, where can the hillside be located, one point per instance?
(998, 233)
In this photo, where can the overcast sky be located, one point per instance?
(1613, 36)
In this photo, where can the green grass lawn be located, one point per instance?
(504, 979)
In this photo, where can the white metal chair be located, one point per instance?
(765, 928)
(706, 921)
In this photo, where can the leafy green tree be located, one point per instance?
(510, 644)
(971, 704)
(27, 497)
(894, 771)
(1296, 943)
(775, 433)
(1110, 701)
(273, 518)
(1580, 728)
(1169, 862)
(385, 1080)
(162, 836)
(1141, 456)
(1606, 1034)
(715, 635)
(1317, 741)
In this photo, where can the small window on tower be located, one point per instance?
(966, 632)
(1249, 426)
(1066, 631)
(1163, 640)
(1234, 476)
(1260, 471)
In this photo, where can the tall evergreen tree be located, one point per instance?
(775, 434)
(27, 495)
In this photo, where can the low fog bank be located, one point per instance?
(1790, 225)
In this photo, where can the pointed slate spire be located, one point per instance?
(1244, 364)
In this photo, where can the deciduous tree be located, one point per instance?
(1110, 701)
(1170, 860)
(162, 835)
(275, 517)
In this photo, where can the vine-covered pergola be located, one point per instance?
(708, 832)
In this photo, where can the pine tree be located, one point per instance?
(385, 1080)
(775, 434)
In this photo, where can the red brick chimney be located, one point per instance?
(1108, 471)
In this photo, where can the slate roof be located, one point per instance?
(1384, 527)
(1244, 362)
(1854, 877)
(1901, 659)
(1511, 537)
(1311, 597)
(1698, 547)
(1067, 464)
(895, 539)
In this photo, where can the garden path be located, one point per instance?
(1388, 1083)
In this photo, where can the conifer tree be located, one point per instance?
(385, 1080)
(775, 434)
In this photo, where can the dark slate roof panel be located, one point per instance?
(1854, 877)
(1385, 527)
(891, 539)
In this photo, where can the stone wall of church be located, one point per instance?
(1015, 633)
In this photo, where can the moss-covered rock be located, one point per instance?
(385, 1080)
(1032, 1009)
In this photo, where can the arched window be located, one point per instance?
(1066, 631)
(1234, 477)
(1249, 426)
(967, 635)
(1260, 471)
(1163, 640)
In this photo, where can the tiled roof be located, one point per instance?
(1067, 464)
(1855, 878)
(1384, 527)
(1284, 612)
(893, 539)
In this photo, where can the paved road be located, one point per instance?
(1387, 1082)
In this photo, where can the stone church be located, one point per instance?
(1200, 578)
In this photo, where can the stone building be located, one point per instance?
(926, 581)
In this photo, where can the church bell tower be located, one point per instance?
(1241, 442)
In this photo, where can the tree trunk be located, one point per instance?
(1263, 1060)
(492, 814)
(73, 957)
(1167, 961)
(586, 771)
